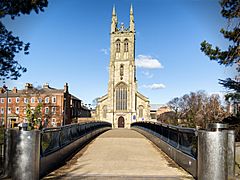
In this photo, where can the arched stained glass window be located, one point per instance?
(104, 111)
(126, 45)
(118, 46)
(121, 69)
(140, 111)
(121, 97)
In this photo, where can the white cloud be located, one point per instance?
(155, 86)
(104, 51)
(147, 74)
(147, 62)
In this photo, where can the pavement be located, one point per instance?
(120, 154)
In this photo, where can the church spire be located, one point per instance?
(114, 20)
(132, 25)
(131, 10)
(113, 11)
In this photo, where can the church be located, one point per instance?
(122, 104)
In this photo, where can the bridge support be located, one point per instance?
(22, 154)
(216, 153)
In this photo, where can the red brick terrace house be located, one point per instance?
(54, 103)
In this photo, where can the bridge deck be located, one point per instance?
(120, 154)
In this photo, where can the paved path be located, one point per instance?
(120, 154)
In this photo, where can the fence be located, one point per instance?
(33, 154)
(1, 157)
(178, 143)
(183, 139)
(53, 139)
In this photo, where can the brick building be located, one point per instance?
(59, 107)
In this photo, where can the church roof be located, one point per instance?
(142, 96)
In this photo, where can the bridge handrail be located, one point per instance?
(53, 139)
(183, 139)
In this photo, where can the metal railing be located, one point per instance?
(183, 139)
(1, 157)
(53, 139)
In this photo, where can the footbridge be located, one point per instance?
(94, 150)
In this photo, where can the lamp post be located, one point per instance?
(64, 111)
(6, 117)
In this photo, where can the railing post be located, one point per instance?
(22, 154)
(216, 153)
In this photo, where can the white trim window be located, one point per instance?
(2, 110)
(40, 100)
(17, 99)
(25, 100)
(53, 122)
(2, 100)
(17, 110)
(9, 100)
(54, 110)
(24, 110)
(9, 110)
(46, 110)
(54, 99)
(32, 99)
(46, 99)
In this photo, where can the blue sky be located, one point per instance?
(70, 43)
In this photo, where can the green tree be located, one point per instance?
(230, 56)
(11, 45)
(34, 117)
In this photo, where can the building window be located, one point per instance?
(121, 69)
(54, 110)
(9, 100)
(118, 46)
(126, 46)
(140, 111)
(39, 100)
(17, 100)
(24, 111)
(2, 110)
(54, 99)
(25, 100)
(121, 97)
(9, 110)
(32, 100)
(104, 112)
(2, 100)
(53, 122)
(47, 100)
(17, 110)
(46, 110)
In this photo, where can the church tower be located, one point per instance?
(123, 104)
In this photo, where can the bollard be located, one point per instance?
(231, 154)
(216, 152)
(23, 154)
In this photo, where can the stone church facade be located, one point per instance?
(122, 104)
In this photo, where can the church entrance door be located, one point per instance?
(121, 122)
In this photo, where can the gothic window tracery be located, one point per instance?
(140, 111)
(126, 45)
(118, 46)
(121, 97)
(121, 69)
(105, 111)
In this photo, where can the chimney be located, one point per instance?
(66, 87)
(28, 86)
(14, 90)
(46, 85)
